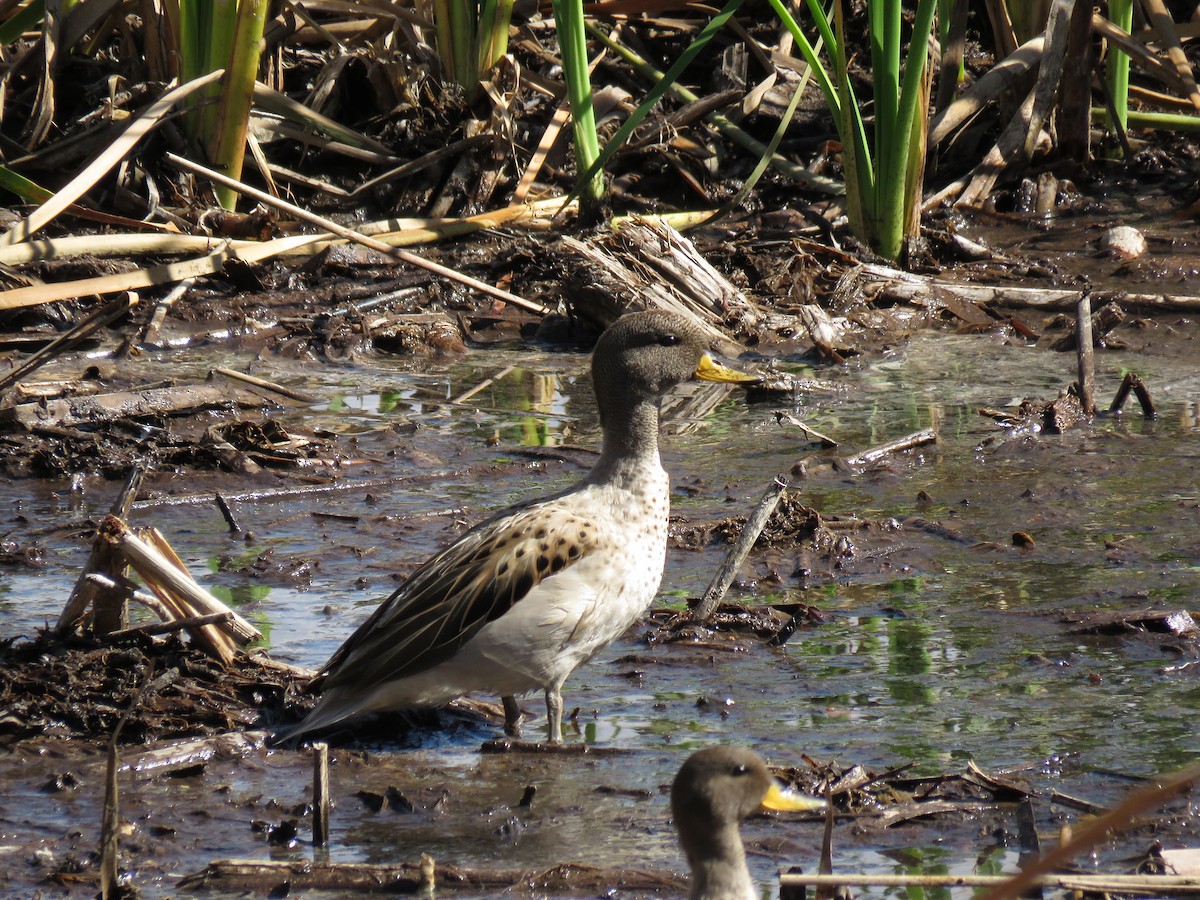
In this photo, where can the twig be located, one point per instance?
(737, 555)
(351, 235)
(160, 572)
(171, 625)
(1132, 382)
(95, 587)
(881, 282)
(908, 442)
(153, 328)
(110, 819)
(223, 506)
(260, 876)
(321, 804)
(263, 383)
(809, 432)
(127, 589)
(1084, 355)
(1092, 884)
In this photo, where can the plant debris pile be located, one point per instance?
(76, 688)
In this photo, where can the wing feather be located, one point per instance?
(445, 602)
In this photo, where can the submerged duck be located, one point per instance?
(521, 600)
(714, 790)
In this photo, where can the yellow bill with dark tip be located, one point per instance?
(711, 370)
(785, 799)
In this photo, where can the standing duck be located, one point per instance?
(714, 790)
(521, 600)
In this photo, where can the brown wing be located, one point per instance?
(445, 602)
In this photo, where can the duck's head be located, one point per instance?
(718, 787)
(645, 354)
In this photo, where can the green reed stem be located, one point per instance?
(572, 43)
(1120, 13)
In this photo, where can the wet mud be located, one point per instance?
(1005, 596)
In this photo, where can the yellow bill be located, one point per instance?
(711, 370)
(785, 799)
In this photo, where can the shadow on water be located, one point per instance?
(941, 645)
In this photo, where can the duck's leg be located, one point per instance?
(554, 713)
(512, 716)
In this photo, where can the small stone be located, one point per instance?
(1123, 242)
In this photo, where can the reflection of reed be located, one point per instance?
(537, 429)
(689, 404)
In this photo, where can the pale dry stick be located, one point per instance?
(399, 232)
(272, 494)
(291, 393)
(107, 603)
(1089, 833)
(1170, 885)
(38, 294)
(1139, 53)
(991, 85)
(320, 801)
(483, 385)
(209, 638)
(64, 342)
(908, 442)
(549, 138)
(154, 327)
(131, 592)
(737, 555)
(188, 752)
(157, 569)
(1015, 145)
(1164, 23)
(174, 625)
(110, 820)
(106, 246)
(111, 155)
(1085, 360)
(808, 431)
(352, 235)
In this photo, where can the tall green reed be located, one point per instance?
(211, 35)
(884, 176)
(472, 36)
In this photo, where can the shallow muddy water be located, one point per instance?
(941, 646)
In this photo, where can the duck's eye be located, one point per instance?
(668, 340)
(740, 770)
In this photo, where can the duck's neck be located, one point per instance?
(718, 865)
(629, 450)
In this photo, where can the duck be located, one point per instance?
(521, 600)
(714, 790)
